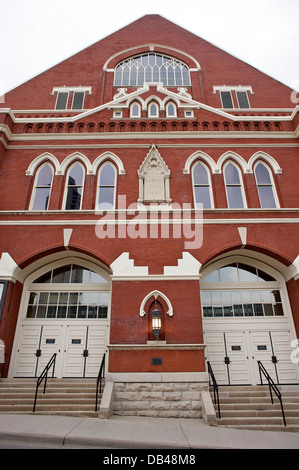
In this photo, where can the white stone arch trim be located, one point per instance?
(156, 99)
(155, 294)
(80, 158)
(151, 48)
(235, 157)
(108, 156)
(267, 158)
(43, 158)
(199, 155)
(74, 259)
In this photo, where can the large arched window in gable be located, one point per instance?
(106, 187)
(74, 188)
(151, 67)
(42, 188)
(202, 186)
(234, 188)
(265, 186)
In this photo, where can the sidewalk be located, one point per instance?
(138, 433)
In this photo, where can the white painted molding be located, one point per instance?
(243, 234)
(155, 294)
(123, 266)
(42, 159)
(9, 270)
(67, 233)
(187, 266)
(108, 155)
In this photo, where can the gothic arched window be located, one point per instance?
(151, 67)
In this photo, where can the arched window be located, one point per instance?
(233, 186)
(42, 188)
(153, 109)
(135, 110)
(240, 290)
(74, 188)
(265, 186)
(170, 110)
(151, 67)
(202, 186)
(69, 291)
(106, 187)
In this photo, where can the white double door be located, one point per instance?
(79, 348)
(234, 356)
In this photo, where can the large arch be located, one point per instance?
(64, 309)
(247, 317)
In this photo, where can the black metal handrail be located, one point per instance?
(101, 375)
(272, 386)
(44, 376)
(215, 388)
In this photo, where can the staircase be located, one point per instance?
(68, 397)
(251, 408)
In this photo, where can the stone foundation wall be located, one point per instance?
(169, 398)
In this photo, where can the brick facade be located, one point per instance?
(33, 132)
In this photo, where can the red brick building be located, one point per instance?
(150, 171)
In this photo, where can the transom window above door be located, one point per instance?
(153, 68)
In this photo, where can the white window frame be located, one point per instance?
(98, 186)
(153, 103)
(67, 186)
(209, 183)
(138, 115)
(272, 185)
(174, 115)
(241, 186)
(67, 100)
(35, 185)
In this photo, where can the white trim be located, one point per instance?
(151, 47)
(123, 266)
(76, 157)
(98, 186)
(66, 186)
(106, 156)
(9, 270)
(35, 184)
(209, 183)
(155, 294)
(272, 185)
(241, 185)
(42, 158)
(269, 159)
(187, 266)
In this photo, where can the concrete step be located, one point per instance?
(70, 397)
(251, 408)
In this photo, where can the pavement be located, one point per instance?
(133, 432)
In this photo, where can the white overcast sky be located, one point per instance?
(38, 34)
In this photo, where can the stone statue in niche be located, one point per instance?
(154, 179)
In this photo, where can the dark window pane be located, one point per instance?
(242, 99)
(61, 100)
(62, 275)
(227, 101)
(76, 176)
(247, 273)
(78, 100)
(73, 199)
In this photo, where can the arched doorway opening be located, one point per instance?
(247, 317)
(65, 309)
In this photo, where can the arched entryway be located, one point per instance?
(65, 309)
(247, 318)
